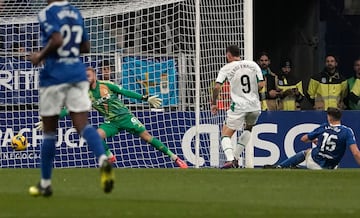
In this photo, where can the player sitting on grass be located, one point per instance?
(104, 98)
(331, 138)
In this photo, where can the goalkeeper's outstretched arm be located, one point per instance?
(154, 101)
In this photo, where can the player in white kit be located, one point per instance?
(245, 80)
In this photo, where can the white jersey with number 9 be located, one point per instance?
(243, 77)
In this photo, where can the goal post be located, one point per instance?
(249, 55)
(248, 30)
(170, 48)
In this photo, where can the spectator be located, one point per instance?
(327, 88)
(19, 51)
(269, 93)
(292, 90)
(353, 97)
(264, 63)
(18, 48)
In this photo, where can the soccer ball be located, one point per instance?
(19, 142)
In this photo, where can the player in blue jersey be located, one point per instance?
(332, 140)
(63, 82)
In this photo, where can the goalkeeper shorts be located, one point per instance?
(126, 122)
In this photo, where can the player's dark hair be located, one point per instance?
(234, 50)
(105, 63)
(334, 112)
(332, 55)
(263, 53)
(16, 46)
(357, 59)
(286, 62)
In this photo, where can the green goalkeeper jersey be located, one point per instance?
(105, 99)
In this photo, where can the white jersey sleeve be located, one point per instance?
(259, 74)
(223, 74)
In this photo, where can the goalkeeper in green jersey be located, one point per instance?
(104, 98)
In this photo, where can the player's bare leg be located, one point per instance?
(145, 135)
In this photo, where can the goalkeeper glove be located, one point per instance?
(39, 125)
(153, 100)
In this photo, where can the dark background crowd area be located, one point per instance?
(307, 30)
(302, 30)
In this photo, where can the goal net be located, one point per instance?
(147, 46)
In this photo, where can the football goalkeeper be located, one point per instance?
(104, 98)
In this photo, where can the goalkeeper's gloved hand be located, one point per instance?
(39, 125)
(153, 100)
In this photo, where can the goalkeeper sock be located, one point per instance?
(47, 155)
(227, 148)
(294, 160)
(156, 143)
(108, 153)
(94, 141)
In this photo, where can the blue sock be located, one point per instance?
(93, 139)
(47, 155)
(294, 160)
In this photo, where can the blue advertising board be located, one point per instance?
(18, 82)
(278, 134)
(276, 137)
(147, 76)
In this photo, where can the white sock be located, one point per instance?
(173, 157)
(102, 158)
(244, 138)
(227, 148)
(45, 182)
(238, 150)
(241, 143)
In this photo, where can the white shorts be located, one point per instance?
(236, 120)
(310, 163)
(72, 95)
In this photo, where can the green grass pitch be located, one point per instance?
(185, 193)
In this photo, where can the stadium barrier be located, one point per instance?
(276, 137)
